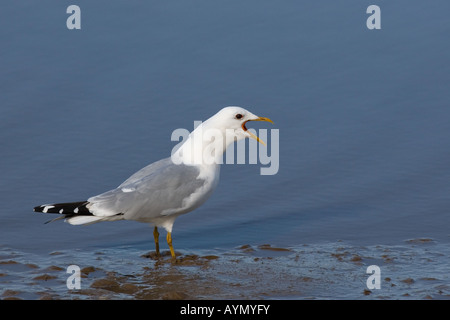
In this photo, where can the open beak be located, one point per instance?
(251, 134)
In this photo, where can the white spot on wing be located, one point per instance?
(46, 208)
(75, 210)
(128, 189)
(61, 211)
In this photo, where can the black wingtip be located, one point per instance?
(72, 208)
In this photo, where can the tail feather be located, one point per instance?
(68, 209)
(75, 213)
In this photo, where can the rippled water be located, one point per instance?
(363, 123)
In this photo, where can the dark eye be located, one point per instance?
(239, 116)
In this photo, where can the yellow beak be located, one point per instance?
(251, 134)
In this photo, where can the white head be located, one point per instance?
(210, 139)
(232, 120)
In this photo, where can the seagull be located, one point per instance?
(160, 192)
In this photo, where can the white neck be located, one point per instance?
(204, 146)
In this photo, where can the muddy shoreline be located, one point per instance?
(325, 271)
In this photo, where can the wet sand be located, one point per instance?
(415, 269)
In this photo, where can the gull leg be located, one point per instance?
(169, 242)
(156, 236)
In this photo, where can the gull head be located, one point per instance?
(207, 143)
(233, 120)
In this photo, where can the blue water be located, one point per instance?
(363, 117)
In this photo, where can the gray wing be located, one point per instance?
(160, 186)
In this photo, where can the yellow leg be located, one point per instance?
(156, 236)
(169, 242)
